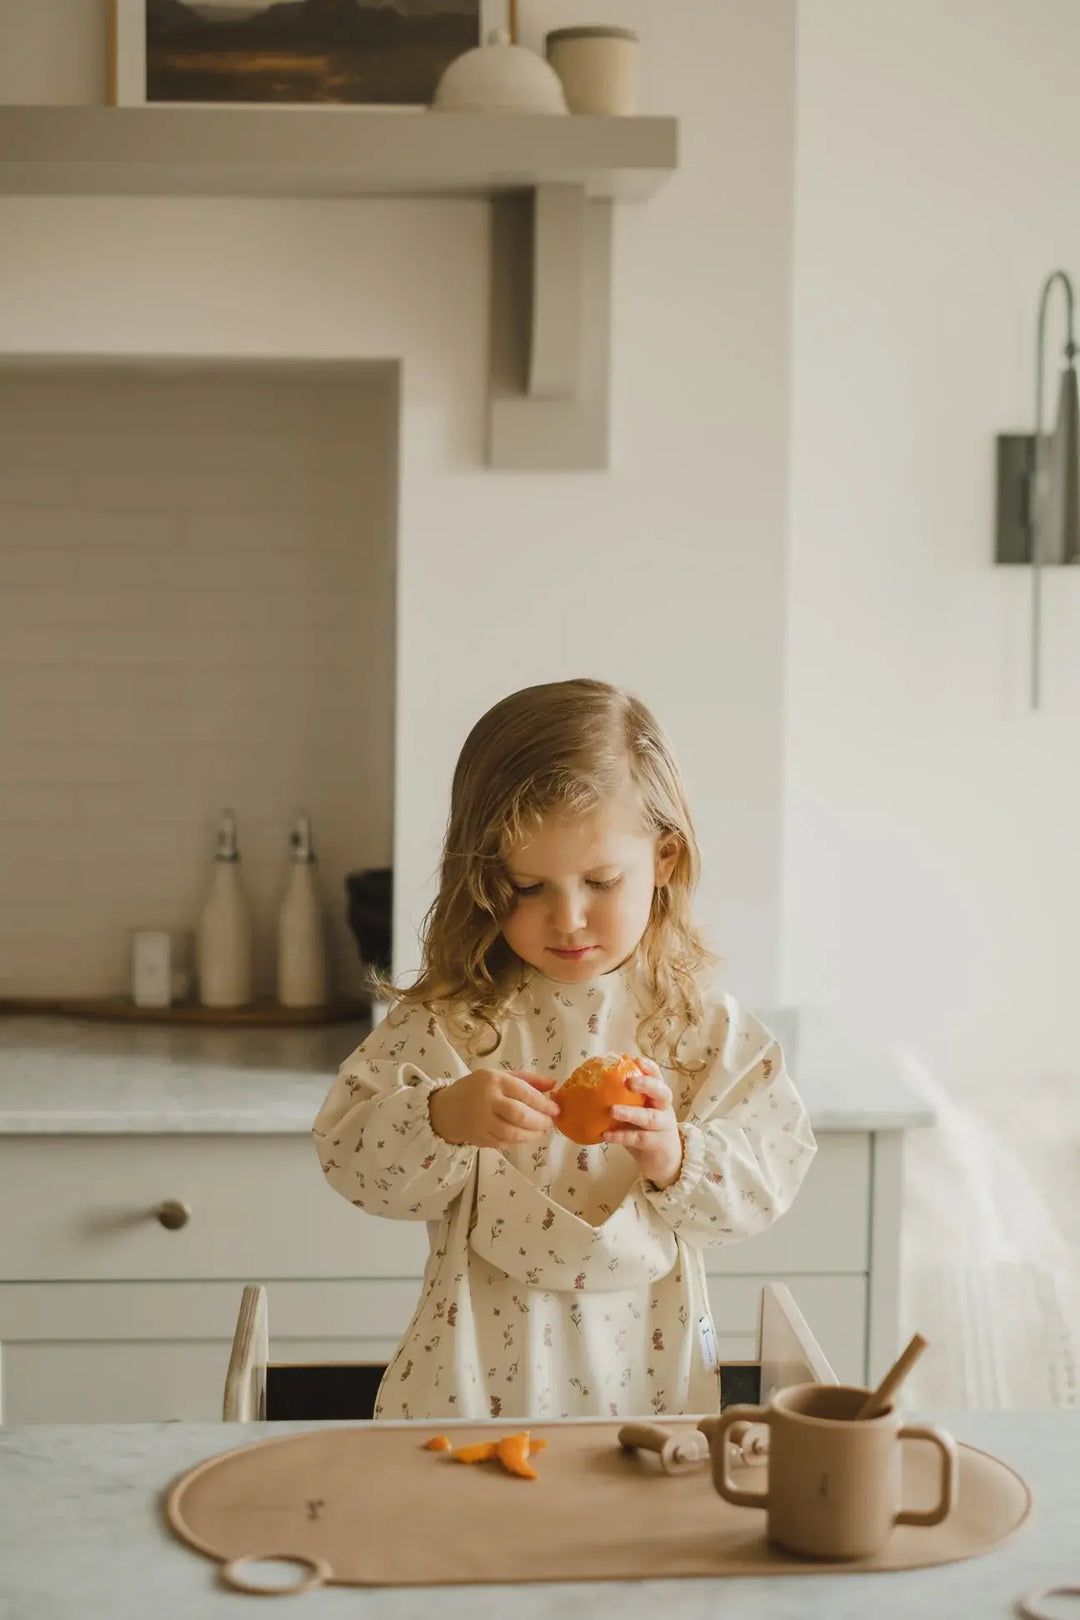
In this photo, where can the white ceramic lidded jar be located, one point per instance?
(225, 973)
(598, 69)
(302, 978)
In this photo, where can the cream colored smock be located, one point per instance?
(559, 1283)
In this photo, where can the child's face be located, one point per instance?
(584, 890)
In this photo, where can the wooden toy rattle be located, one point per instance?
(689, 1448)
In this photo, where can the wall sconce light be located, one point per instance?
(1038, 481)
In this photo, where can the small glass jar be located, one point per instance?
(598, 68)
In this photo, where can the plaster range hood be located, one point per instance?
(551, 181)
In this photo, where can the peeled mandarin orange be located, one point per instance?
(586, 1099)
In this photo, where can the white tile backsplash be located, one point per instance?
(196, 609)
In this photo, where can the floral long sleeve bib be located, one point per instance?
(559, 1283)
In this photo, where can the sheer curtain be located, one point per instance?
(990, 1270)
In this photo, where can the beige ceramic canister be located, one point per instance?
(302, 978)
(598, 69)
(834, 1479)
(224, 948)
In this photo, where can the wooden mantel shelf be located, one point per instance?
(325, 152)
(552, 182)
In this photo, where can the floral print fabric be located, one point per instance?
(560, 1284)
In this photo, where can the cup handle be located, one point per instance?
(715, 1430)
(947, 1446)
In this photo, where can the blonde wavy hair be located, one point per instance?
(561, 748)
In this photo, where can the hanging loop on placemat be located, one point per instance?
(319, 1574)
(1030, 1606)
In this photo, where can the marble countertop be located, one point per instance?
(64, 1076)
(71, 1075)
(82, 1535)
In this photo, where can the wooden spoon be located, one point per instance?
(875, 1404)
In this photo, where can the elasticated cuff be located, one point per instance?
(407, 1140)
(673, 1202)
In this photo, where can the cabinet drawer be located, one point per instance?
(114, 1381)
(376, 1309)
(84, 1207)
(129, 1352)
(109, 1383)
(826, 1229)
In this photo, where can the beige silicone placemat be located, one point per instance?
(379, 1510)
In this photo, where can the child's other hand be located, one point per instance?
(493, 1109)
(650, 1134)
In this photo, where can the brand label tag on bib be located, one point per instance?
(707, 1335)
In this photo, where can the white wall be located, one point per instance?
(54, 51)
(930, 880)
(667, 573)
(932, 884)
(196, 610)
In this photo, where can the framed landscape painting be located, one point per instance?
(287, 52)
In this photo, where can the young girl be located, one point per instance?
(564, 1281)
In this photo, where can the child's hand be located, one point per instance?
(650, 1134)
(493, 1109)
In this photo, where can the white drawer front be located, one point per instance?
(129, 1352)
(118, 1382)
(826, 1229)
(83, 1207)
(138, 1352)
(380, 1308)
(112, 1382)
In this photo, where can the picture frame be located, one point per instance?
(414, 40)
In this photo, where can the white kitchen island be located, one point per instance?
(83, 1537)
(108, 1131)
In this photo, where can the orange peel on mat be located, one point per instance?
(512, 1451)
(483, 1451)
(596, 1086)
(438, 1442)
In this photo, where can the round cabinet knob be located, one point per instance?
(173, 1214)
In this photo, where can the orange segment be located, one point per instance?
(438, 1442)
